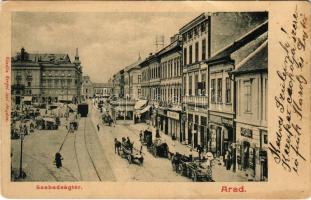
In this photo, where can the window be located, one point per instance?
(185, 85)
(190, 35)
(29, 84)
(190, 85)
(219, 90)
(228, 90)
(195, 31)
(203, 27)
(203, 80)
(190, 54)
(185, 56)
(196, 57)
(139, 78)
(213, 85)
(196, 82)
(139, 92)
(203, 49)
(247, 94)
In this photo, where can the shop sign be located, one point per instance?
(215, 119)
(227, 121)
(161, 112)
(173, 115)
(247, 132)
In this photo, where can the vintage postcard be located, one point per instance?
(155, 99)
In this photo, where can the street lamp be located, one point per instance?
(21, 173)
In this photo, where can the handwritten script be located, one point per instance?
(289, 99)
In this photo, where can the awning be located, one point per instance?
(147, 108)
(27, 98)
(140, 104)
(176, 108)
(65, 98)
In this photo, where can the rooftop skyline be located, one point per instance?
(103, 48)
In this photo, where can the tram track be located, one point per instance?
(87, 149)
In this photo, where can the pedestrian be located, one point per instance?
(128, 141)
(98, 127)
(141, 135)
(227, 159)
(117, 146)
(200, 150)
(58, 160)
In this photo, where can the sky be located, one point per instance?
(107, 42)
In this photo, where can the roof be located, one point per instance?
(45, 57)
(251, 35)
(255, 62)
(170, 47)
(102, 85)
(133, 65)
(194, 22)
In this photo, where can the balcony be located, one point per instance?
(196, 100)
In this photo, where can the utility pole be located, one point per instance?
(21, 173)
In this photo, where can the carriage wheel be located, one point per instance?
(129, 158)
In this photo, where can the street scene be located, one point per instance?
(186, 103)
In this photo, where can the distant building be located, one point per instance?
(132, 80)
(87, 87)
(45, 78)
(102, 89)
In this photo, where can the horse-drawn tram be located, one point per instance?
(130, 153)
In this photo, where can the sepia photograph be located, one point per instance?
(139, 97)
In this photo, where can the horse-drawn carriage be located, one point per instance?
(156, 147)
(197, 170)
(106, 119)
(159, 148)
(130, 153)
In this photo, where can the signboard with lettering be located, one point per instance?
(173, 115)
(247, 132)
(227, 122)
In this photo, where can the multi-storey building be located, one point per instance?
(102, 89)
(196, 50)
(151, 83)
(45, 78)
(251, 78)
(222, 101)
(87, 87)
(132, 80)
(169, 111)
(116, 83)
(206, 36)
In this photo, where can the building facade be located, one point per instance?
(102, 89)
(45, 78)
(87, 87)
(132, 80)
(169, 110)
(251, 78)
(196, 50)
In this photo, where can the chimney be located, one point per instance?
(22, 53)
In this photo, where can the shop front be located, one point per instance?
(163, 123)
(221, 135)
(252, 153)
(174, 124)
